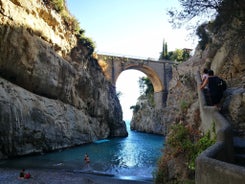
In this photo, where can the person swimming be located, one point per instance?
(86, 159)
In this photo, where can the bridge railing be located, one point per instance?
(126, 56)
(135, 57)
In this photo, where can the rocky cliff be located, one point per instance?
(150, 120)
(52, 91)
(224, 53)
(181, 103)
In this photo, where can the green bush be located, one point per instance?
(60, 7)
(203, 143)
(182, 140)
(201, 32)
(162, 171)
(135, 108)
(184, 106)
(70, 21)
(86, 42)
(185, 142)
(57, 5)
(146, 90)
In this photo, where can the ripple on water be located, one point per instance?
(135, 155)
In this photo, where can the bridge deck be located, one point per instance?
(138, 58)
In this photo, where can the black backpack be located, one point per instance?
(222, 86)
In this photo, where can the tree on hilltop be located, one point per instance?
(205, 17)
(203, 9)
(179, 55)
(164, 53)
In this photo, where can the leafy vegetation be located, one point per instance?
(57, 5)
(179, 55)
(184, 144)
(145, 86)
(164, 53)
(72, 23)
(184, 106)
(86, 41)
(60, 7)
(119, 94)
(198, 15)
(146, 89)
(192, 9)
(135, 108)
(147, 92)
(203, 36)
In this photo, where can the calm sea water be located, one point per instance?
(135, 155)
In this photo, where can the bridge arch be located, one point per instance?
(159, 72)
(149, 72)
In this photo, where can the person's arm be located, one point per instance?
(204, 83)
(203, 78)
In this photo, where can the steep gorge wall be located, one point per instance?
(225, 54)
(52, 92)
(182, 104)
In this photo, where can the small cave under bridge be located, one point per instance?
(158, 71)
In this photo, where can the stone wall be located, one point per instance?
(214, 165)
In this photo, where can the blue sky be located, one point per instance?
(130, 28)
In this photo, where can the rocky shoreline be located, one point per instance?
(46, 176)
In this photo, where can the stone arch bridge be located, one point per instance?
(158, 71)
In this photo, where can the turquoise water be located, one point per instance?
(135, 155)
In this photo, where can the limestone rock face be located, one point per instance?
(225, 54)
(234, 109)
(227, 61)
(148, 119)
(52, 93)
(181, 104)
(31, 123)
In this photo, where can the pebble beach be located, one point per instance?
(45, 176)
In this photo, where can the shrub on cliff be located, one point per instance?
(135, 108)
(192, 14)
(57, 5)
(146, 89)
(72, 23)
(184, 144)
(60, 7)
(88, 43)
